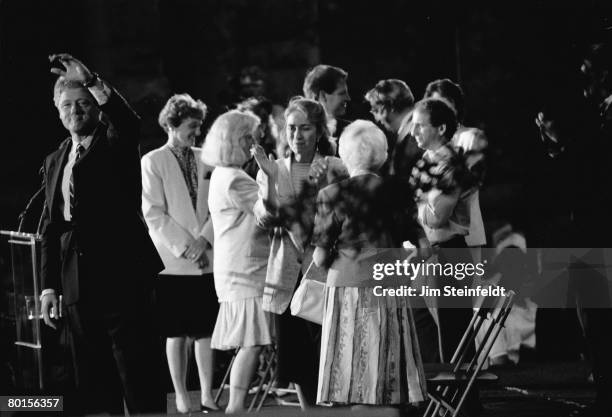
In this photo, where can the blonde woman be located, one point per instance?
(240, 251)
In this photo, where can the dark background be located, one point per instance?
(506, 57)
(509, 57)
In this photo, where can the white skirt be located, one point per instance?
(242, 323)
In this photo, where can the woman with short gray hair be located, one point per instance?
(363, 147)
(359, 221)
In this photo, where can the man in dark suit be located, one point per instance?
(96, 249)
(391, 103)
(327, 85)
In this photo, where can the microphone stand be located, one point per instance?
(28, 207)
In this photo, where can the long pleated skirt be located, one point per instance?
(369, 350)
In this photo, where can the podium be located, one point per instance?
(25, 267)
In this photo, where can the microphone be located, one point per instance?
(31, 201)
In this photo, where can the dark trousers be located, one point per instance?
(454, 313)
(299, 349)
(117, 357)
(427, 332)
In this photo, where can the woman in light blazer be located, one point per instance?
(175, 205)
(241, 249)
(282, 183)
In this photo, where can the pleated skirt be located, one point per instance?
(369, 350)
(242, 323)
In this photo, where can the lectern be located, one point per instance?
(25, 267)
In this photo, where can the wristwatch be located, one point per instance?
(92, 81)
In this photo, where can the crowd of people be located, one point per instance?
(229, 230)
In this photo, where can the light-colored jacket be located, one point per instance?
(472, 139)
(241, 247)
(291, 251)
(167, 208)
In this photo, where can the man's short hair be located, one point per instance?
(323, 78)
(62, 84)
(450, 91)
(178, 108)
(363, 146)
(391, 94)
(440, 113)
(222, 145)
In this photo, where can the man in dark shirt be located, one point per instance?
(391, 103)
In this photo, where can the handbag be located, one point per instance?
(308, 301)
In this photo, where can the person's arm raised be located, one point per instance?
(125, 122)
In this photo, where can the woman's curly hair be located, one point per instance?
(180, 107)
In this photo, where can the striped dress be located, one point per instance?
(369, 346)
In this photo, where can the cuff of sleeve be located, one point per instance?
(46, 291)
(207, 232)
(101, 92)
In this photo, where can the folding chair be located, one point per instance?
(449, 389)
(226, 377)
(267, 381)
(266, 378)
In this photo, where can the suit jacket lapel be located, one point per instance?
(59, 161)
(96, 137)
(296, 238)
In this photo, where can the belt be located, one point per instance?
(66, 226)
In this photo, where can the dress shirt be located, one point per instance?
(473, 140)
(186, 160)
(68, 172)
(405, 126)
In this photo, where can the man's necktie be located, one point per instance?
(80, 149)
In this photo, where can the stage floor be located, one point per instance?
(527, 390)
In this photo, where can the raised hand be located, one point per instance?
(74, 70)
(265, 163)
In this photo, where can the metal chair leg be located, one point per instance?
(260, 395)
(226, 376)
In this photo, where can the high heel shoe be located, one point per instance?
(207, 410)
